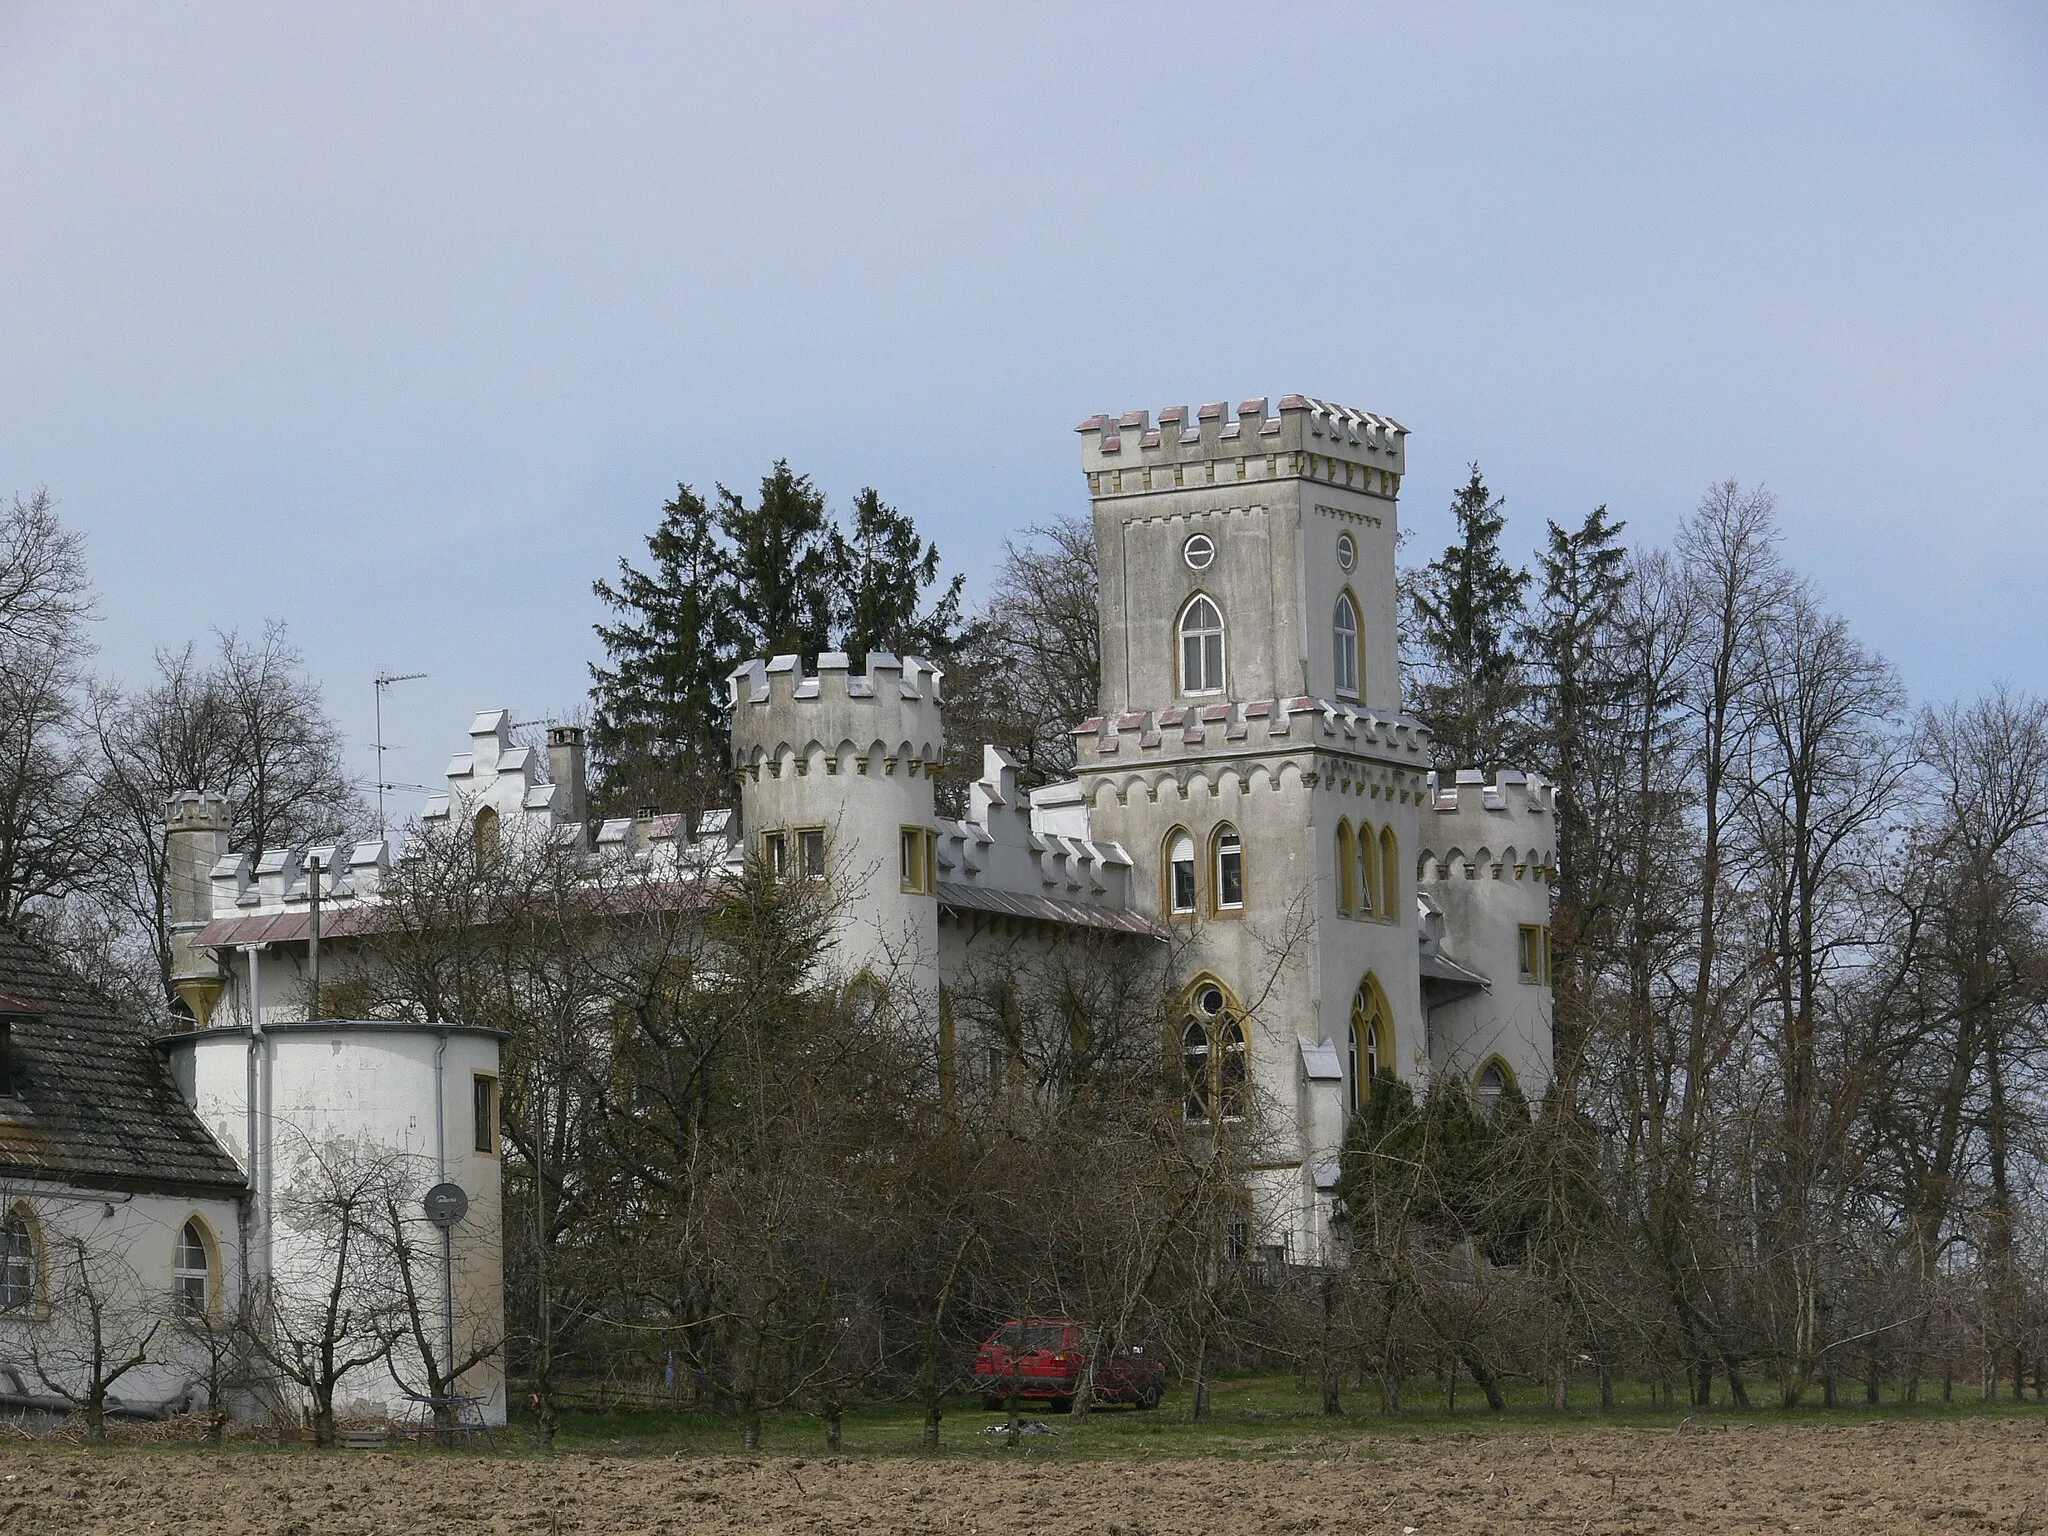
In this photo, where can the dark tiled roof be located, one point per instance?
(1045, 909)
(94, 1104)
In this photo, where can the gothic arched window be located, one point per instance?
(17, 1261)
(192, 1270)
(1344, 644)
(1214, 1057)
(1390, 875)
(1229, 871)
(1368, 872)
(1347, 869)
(1372, 1040)
(1180, 873)
(490, 839)
(1201, 647)
(1490, 1084)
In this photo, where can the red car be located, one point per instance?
(1045, 1356)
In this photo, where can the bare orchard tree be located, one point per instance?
(336, 1311)
(439, 1338)
(103, 1324)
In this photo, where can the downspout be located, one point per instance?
(257, 1096)
(447, 1232)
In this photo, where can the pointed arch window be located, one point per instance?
(490, 838)
(1347, 869)
(1214, 1057)
(1490, 1084)
(1372, 1040)
(192, 1270)
(1229, 871)
(1201, 646)
(17, 1261)
(1180, 873)
(1368, 872)
(1344, 630)
(1390, 875)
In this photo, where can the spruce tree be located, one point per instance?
(658, 724)
(783, 555)
(1467, 603)
(884, 570)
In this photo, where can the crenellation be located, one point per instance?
(1305, 438)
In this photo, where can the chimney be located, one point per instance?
(195, 837)
(566, 768)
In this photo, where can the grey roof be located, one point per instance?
(1045, 909)
(1458, 978)
(94, 1105)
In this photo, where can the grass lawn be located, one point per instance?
(1251, 1416)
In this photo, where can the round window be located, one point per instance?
(1210, 1000)
(1198, 552)
(1347, 552)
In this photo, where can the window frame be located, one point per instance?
(1494, 1063)
(1390, 874)
(1532, 953)
(1170, 868)
(1227, 831)
(803, 839)
(19, 1218)
(1347, 868)
(775, 853)
(487, 830)
(917, 860)
(1372, 1038)
(486, 1115)
(1348, 647)
(1213, 1056)
(1368, 875)
(206, 1273)
(1182, 634)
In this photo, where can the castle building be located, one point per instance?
(1251, 795)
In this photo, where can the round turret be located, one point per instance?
(836, 785)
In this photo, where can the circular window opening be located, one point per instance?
(1198, 552)
(1210, 1000)
(1347, 552)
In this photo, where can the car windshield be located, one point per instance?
(1030, 1338)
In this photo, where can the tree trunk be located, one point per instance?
(835, 1438)
(1202, 1377)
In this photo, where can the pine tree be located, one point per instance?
(884, 569)
(1467, 603)
(658, 727)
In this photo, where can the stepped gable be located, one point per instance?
(94, 1105)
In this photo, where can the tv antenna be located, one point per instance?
(385, 680)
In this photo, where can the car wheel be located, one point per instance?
(1061, 1404)
(1148, 1395)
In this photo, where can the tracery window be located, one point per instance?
(17, 1261)
(1372, 1040)
(191, 1271)
(1201, 647)
(1229, 870)
(1344, 642)
(1215, 1069)
(1180, 873)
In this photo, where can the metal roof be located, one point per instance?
(1045, 909)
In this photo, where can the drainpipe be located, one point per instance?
(448, 1232)
(258, 1095)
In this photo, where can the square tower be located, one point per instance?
(1246, 558)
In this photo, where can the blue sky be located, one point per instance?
(400, 322)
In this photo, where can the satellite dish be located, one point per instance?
(446, 1204)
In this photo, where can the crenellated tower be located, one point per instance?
(836, 778)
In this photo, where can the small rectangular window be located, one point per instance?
(485, 1090)
(1534, 952)
(919, 859)
(775, 853)
(811, 854)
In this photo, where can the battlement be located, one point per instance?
(1305, 722)
(1506, 829)
(196, 810)
(1306, 438)
(877, 721)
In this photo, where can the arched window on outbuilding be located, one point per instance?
(18, 1260)
(490, 838)
(1390, 875)
(1347, 869)
(1214, 1055)
(1372, 1040)
(1368, 872)
(1490, 1084)
(192, 1269)
(1228, 872)
(1201, 646)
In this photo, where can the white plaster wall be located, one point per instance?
(137, 1236)
(340, 1084)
